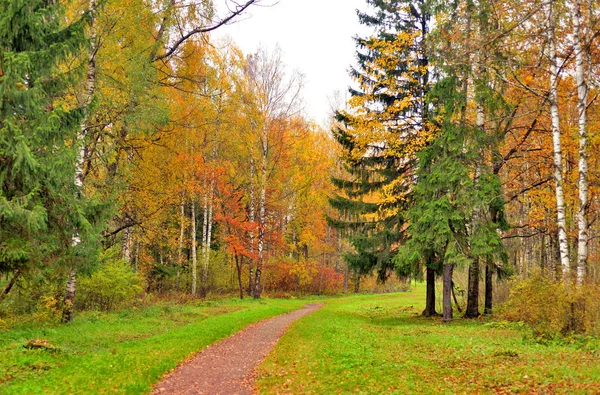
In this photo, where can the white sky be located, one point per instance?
(316, 39)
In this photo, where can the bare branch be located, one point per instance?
(239, 9)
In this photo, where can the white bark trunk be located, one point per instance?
(204, 246)
(194, 252)
(558, 170)
(88, 94)
(262, 212)
(181, 236)
(252, 219)
(582, 99)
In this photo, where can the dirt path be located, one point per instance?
(228, 367)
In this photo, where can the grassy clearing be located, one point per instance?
(380, 344)
(123, 352)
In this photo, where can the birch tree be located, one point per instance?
(277, 97)
(556, 138)
(581, 55)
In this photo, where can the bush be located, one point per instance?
(108, 288)
(553, 310)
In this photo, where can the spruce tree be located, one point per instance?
(385, 125)
(38, 129)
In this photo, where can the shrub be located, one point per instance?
(552, 309)
(108, 288)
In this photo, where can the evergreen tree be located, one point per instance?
(387, 123)
(38, 129)
(458, 204)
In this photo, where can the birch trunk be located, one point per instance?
(558, 168)
(252, 218)
(261, 223)
(194, 252)
(181, 236)
(203, 246)
(90, 88)
(206, 262)
(582, 99)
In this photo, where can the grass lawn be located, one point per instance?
(380, 345)
(125, 352)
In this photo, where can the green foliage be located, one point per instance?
(385, 125)
(115, 284)
(38, 210)
(553, 310)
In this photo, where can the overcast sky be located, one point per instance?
(315, 37)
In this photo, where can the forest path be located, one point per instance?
(228, 367)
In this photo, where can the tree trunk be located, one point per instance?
(262, 212)
(208, 236)
(203, 245)
(558, 171)
(455, 299)
(194, 252)
(69, 303)
(238, 266)
(90, 88)
(9, 286)
(252, 219)
(582, 99)
(357, 284)
(346, 275)
(447, 292)
(257, 283)
(251, 283)
(181, 236)
(489, 290)
(473, 291)
(430, 296)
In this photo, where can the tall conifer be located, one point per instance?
(38, 129)
(385, 125)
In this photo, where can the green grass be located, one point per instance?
(125, 352)
(380, 344)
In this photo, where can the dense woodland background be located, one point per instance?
(139, 158)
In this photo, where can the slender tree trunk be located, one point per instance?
(238, 266)
(346, 276)
(558, 171)
(447, 292)
(68, 310)
(489, 290)
(455, 299)
(262, 212)
(430, 296)
(181, 236)
(208, 241)
(9, 286)
(251, 282)
(357, 284)
(90, 88)
(582, 99)
(126, 250)
(194, 252)
(203, 246)
(252, 218)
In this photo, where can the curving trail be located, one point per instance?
(228, 367)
